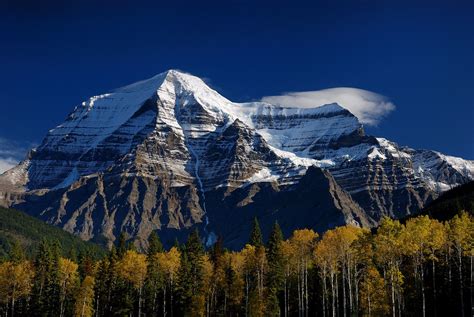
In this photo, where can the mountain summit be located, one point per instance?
(169, 153)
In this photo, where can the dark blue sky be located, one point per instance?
(419, 54)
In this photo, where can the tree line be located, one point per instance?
(419, 268)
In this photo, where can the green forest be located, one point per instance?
(16, 227)
(422, 267)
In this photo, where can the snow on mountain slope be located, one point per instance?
(107, 127)
(171, 141)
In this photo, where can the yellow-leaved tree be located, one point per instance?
(132, 268)
(460, 230)
(235, 269)
(345, 238)
(326, 258)
(169, 263)
(373, 294)
(207, 272)
(422, 238)
(68, 281)
(84, 306)
(302, 242)
(388, 251)
(16, 280)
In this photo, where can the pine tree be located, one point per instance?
(16, 254)
(256, 234)
(86, 264)
(154, 277)
(102, 287)
(217, 287)
(45, 294)
(275, 270)
(154, 244)
(122, 245)
(190, 277)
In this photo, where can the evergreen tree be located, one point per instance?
(122, 245)
(101, 287)
(154, 244)
(86, 264)
(190, 277)
(256, 234)
(276, 270)
(45, 294)
(154, 278)
(16, 254)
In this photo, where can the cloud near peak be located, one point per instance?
(368, 106)
(11, 153)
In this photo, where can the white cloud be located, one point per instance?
(7, 163)
(368, 106)
(11, 153)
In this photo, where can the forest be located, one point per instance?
(421, 267)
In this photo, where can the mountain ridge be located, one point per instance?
(162, 145)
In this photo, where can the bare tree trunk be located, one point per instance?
(337, 294)
(461, 295)
(349, 284)
(471, 287)
(333, 297)
(324, 295)
(171, 298)
(13, 305)
(83, 307)
(299, 290)
(154, 301)
(369, 303)
(164, 301)
(246, 295)
(306, 288)
(140, 301)
(356, 289)
(343, 291)
(393, 294)
(422, 276)
(285, 298)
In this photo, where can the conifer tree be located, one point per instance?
(256, 234)
(154, 277)
(275, 270)
(45, 292)
(154, 244)
(102, 287)
(86, 264)
(16, 254)
(122, 245)
(190, 277)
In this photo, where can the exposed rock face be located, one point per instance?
(169, 154)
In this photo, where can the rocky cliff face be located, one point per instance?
(169, 153)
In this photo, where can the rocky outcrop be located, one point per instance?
(170, 154)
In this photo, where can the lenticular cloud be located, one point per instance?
(368, 106)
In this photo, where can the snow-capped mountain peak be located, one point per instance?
(172, 145)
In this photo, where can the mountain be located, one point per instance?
(452, 202)
(170, 153)
(16, 226)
